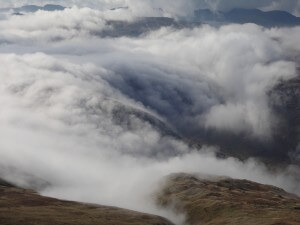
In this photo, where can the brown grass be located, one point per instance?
(25, 207)
(227, 201)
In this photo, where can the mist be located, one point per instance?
(100, 120)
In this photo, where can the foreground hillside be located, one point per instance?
(205, 201)
(20, 206)
(228, 201)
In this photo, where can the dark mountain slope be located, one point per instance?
(274, 18)
(142, 26)
(34, 8)
(285, 102)
(284, 146)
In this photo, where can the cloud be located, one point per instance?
(214, 80)
(57, 125)
(85, 114)
(142, 68)
(67, 24)
(61, 115)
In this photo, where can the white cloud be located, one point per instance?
(64, 89)
(54, 26)
(57, 124)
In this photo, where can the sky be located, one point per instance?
(71, 100)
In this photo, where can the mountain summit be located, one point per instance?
(274, 18)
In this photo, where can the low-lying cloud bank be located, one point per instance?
(206, 76)
(85, 114)
(58, 126)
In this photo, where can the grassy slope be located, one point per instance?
(19, 206)
(229, 201)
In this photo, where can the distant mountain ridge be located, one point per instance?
(142, 26)
(33, 8)
(274, 18)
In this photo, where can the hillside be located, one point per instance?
(227, 201)
(20, 206)
(274, 18)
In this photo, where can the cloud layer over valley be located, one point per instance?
(103, 120)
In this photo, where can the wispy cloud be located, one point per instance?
(85, 114)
